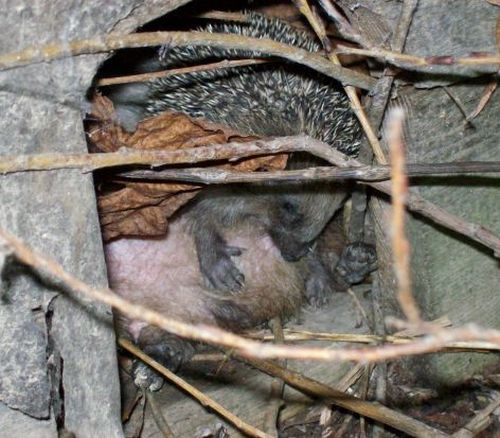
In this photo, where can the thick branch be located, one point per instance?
(368, 409)
(108, 43)
(54, 273)
(233, 151)
(204, 175)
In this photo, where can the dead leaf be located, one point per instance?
(494, 2)
(485, 98)
(143, 209)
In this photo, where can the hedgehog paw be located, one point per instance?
(356, 262)
(166, 354)
(220, 271)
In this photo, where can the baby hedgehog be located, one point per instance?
(272, 99)
(237, 255)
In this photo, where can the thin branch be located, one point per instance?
(275, 401)
(343, 25)
(143, 77)
(480, 421)
(404, 60)
(224, 16)
(292, 335)
(156, 158)
(350, 89)
(400, 245)
(107, 43)
(298, 381)
(53, 272)
(158, 417)
(237, 150)
(204, 175)
(194, 392)
(372, 410)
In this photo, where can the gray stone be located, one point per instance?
(62, 353)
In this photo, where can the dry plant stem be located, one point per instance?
(456, 101)
(143, 77)
(206, 175)
(400, 245)
(107, 43)
(233, 151)
(224, 16)
(158, 416)
(300, 336)
(480, 421)
(357, 304)
(383, 87)
(485, 98)
(372, 410)
(277, 385)
(350, 90)
(200, 396)
(307, 386)
(155, 158)
(53, 272)
(365, 386)
(342, 24)
(407, 61)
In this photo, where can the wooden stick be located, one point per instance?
(194, 392)
(232, 151)
(142, 77)
(372, 410)
(52, 272)
(107, 43)
(400, 244)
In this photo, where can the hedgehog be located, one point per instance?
(238, 255)
(270, 99)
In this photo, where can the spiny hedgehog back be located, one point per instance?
(271, 99)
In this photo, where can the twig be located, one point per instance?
(381, 370)
(372, 410)
(107, 43)
(194, 392)
(383, 86)
(485, 98)
(400, 245)
(224, 16)
(226, 63)
(404, 60)
(350, 89)
(156, 158)
(457, 102)
(303, 384)
(277, 385)
(343, 25)
(480, 421)
(206, 175)
(53, 272)
(292, 335)
(237, 150)
(298, 381)
(158, 416)
(363, 394)
(363, 317)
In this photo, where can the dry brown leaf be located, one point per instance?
(143, 209)
(494, 2)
